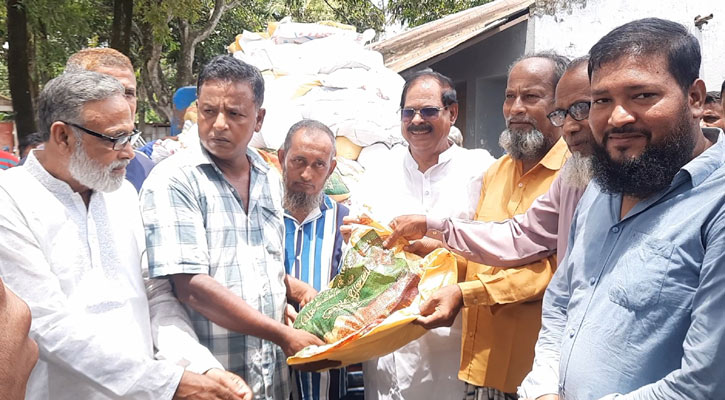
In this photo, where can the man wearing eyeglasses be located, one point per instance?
(114, 63)
(71, 248)
(434, 177)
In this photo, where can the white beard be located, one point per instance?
(525, 145)
(577, 171)
(92, 174)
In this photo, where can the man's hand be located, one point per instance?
(199, 387)
(290, 315)
(295, 340)
(441, 309)
(346, 227)
(232, 382)
(409, 227)
(424, 246)
(299, 292)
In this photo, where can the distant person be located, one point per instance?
(29, 142)
(713, 116)
(313, 244)
(8, 160)
(112, 62)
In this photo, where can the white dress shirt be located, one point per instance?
(426, 368)
(80, 271)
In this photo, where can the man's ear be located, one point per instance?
(260, 119)
(280, 155)
(62, 137)
(453, 110)
(696, 98)
(333, 164)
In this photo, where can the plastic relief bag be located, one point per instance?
(369, 307)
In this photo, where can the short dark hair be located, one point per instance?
(229, 69)
(712, 97)
(308, 125)
(651, 36)
(448, 96)
(31, 139)
(722, 89)
(560, 63)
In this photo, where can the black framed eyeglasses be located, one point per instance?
(117, 142)
(407, 114)
(579, 111)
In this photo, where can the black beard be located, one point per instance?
(652, 171)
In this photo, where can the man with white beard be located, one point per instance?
(72, 249)
(502, 306)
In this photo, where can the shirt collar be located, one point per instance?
(556, 156)
(443, 158)
(54, 185)
(255, 160)
(711, 159)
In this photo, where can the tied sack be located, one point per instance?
(370, 305)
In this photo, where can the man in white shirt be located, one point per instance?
(72, 249)
(434, 177)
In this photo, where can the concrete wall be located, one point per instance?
(573, 26)
(483, 68)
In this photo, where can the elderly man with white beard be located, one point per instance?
(503, 306)
(72, 249)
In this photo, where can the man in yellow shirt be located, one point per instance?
(502, 307)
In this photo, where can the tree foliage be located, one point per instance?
(170, 40)
(418, 12)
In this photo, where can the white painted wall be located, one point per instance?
(578, 24)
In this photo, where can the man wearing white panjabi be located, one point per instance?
(434, 177)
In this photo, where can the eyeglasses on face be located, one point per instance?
(407, 114)
(117, 142)
(579, 111)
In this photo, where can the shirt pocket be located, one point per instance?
(639, 275)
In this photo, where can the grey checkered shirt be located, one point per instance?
(195, 224)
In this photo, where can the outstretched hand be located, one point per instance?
(408, 227)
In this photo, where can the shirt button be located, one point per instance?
(521, 184)
(427, 193)
(475, 301)
(571, 332)
(592, 281)
(615, 229)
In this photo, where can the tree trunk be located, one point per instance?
(185, 63)
(157, 91)
(121, 29)
(18, 72)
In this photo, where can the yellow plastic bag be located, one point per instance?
(436, 270)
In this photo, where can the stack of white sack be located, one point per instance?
(323, 71)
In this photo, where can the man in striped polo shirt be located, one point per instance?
(312, 231)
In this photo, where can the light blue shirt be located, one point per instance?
(637, 307)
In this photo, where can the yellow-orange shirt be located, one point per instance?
(502, 307)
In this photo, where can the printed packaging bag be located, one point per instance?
(369, 307)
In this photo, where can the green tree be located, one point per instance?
(418, 12)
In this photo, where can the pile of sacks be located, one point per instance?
(323, 71)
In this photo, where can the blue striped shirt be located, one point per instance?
(313, 250)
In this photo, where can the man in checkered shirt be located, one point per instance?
(214, 225)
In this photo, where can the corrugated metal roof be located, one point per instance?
(426, 41)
